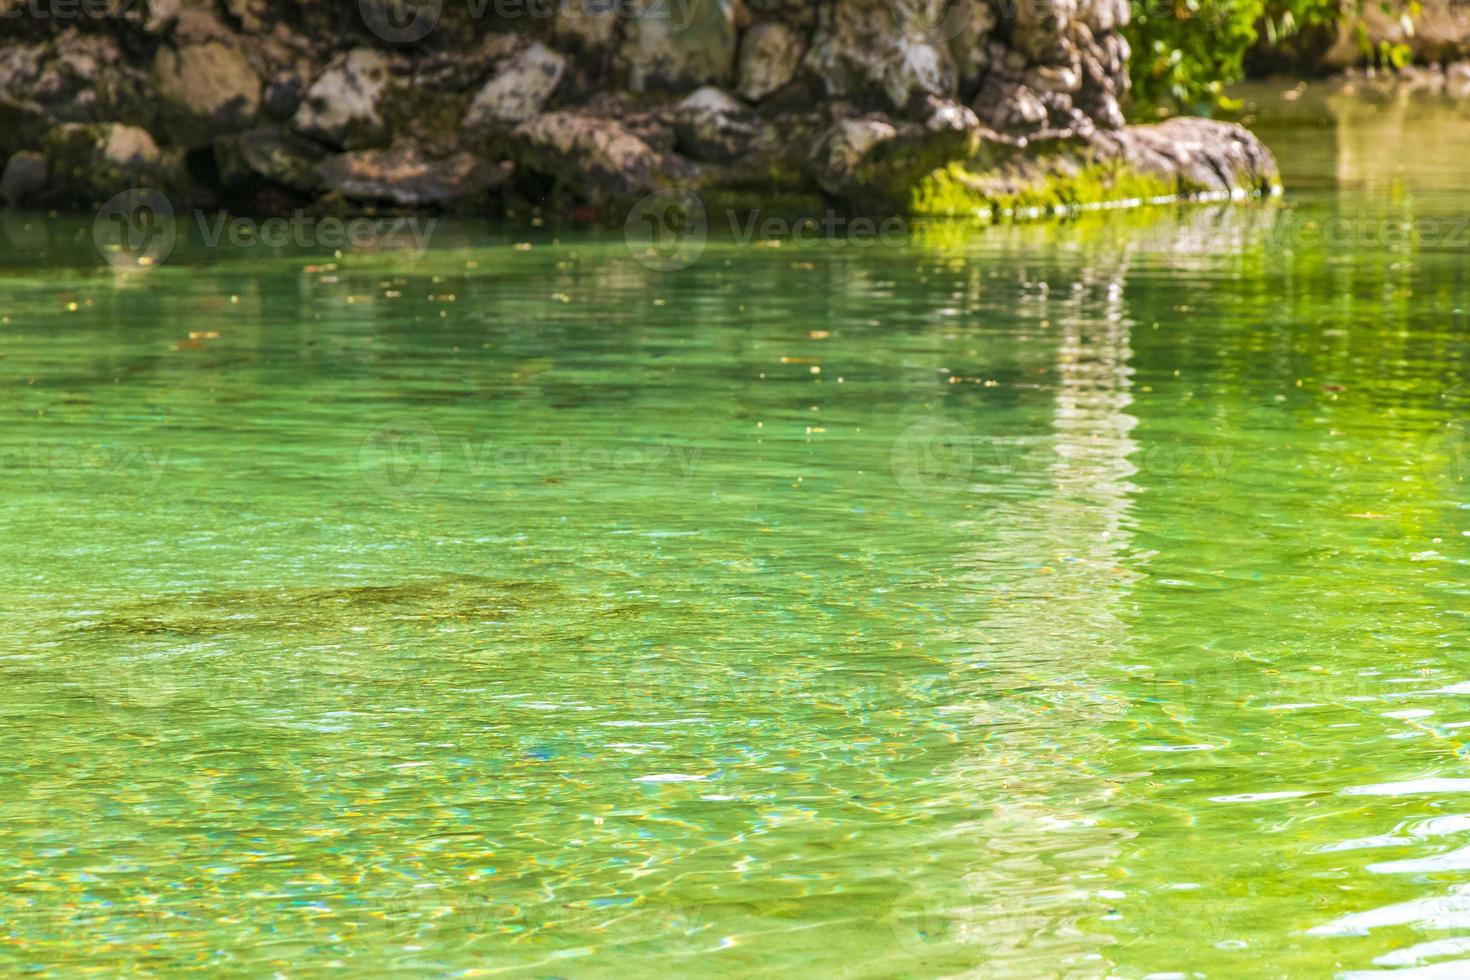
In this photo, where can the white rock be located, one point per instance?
(519, 90)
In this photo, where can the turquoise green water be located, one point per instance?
(1080, 600)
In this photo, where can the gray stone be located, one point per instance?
(93, 161)
(668, 45)
(519, 90)
(597, 159)
(268, 153)
(342, 105)
(883, 47)
(207, 89)
(711, 125)
(770, 55)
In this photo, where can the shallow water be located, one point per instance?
(1081, 599)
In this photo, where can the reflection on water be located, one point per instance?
(1078, 599)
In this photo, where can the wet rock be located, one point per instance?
(93, 161)
(770, 55)
(207, 90)
(271, 154)
(519, 90)
(342, 105)
(672, 46)
(711, 125)
(597, 159)
(402, 175)
(1201, 156)
(24, 178)
(873, 164)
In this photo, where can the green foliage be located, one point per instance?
(1186, 51)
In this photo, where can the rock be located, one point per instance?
(711, 125)
(874, 165)
(1201, 156)
(268, 153)
(971, 24)
(93, 161)
(597, 159)
(73, 77)
(282, 95)
(1010, 107)
(518, 91)
(403, 176)
(770, 54)
(342, 105)
(888, 48)
(585, 26)
(207, 90)
(669, 45)
(24, 178)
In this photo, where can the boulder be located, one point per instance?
(711, 125)
(94, 161)
(585, 26)
(770, 54)
(873, 164)
(883, 48)
(24, 178)
(342, 106)
(597, 159)
(672, 46)
(271, 154)
(207, 90)
(518, 91)
(403, 176)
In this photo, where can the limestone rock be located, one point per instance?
(207, 89)
(94, 161)
(676, 46)
(268, 153)
(873, 164)
(711, 125)
(342, 105)
(597, 159)
(890, 48)
(519, 90)
(402, 175)
(770, 54)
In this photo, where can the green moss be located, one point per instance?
(956, 191)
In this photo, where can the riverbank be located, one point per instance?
(867, 106)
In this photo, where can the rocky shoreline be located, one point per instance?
(584, 107)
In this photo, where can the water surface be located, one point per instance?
(1079, 600)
